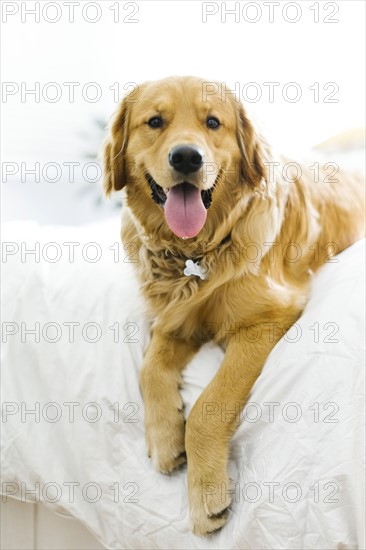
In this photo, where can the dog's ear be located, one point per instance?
(252, 168)
(115, 173)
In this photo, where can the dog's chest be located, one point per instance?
(188, 302)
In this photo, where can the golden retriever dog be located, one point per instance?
(228, 237)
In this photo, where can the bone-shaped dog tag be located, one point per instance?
(194, 268)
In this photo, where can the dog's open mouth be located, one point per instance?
(185, 206)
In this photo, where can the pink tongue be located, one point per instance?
(184, 210)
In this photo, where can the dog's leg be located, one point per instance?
(160, 379)
(210, 425)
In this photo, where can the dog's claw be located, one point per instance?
(219, 514)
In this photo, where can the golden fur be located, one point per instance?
(253, 285)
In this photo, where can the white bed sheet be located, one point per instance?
(309, 376)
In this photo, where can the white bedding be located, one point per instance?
(319, 380)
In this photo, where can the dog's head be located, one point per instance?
(182, 146)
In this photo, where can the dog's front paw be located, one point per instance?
(165, 440)
(209, 500)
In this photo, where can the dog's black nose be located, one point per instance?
(186, 158)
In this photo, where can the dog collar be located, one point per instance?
(192, 266)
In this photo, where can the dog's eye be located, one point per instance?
(212, 122)
(155, 122)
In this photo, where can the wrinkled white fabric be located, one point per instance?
(303, 425)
